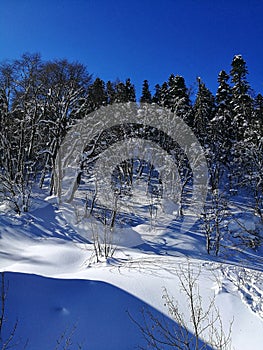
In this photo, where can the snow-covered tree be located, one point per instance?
(97, 95)
(156, 96)
(163, 95)
(130, 91)
(241, 102)
(21, 93)
(111, 92)
(203, 112)
(65, 85)
(220, 125)
(146, 94)
(125, 92)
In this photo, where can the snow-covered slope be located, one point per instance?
(59, 294)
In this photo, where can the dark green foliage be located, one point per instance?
(111, 93)
(97, 94)
(241, 103)
(164, 100)
(221, 124)
(125, 92)
(203, 112)
(157, 95)
(130, 91)
(224, 93)
(239, 73)
(146, 94)
(258, 110)
(177, 91)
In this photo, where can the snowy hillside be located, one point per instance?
(130, 221)
(62, 298)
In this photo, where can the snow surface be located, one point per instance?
(58, 293)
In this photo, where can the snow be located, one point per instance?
(57, 291)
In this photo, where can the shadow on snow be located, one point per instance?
(92, 313)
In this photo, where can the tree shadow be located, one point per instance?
(92, 314)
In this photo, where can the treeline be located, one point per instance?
(40, 101)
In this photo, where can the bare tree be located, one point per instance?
(19, 137)
(7, 341)
(215, 209)
(65, 99)
(202, 328)
(65, 340)
(39, 101)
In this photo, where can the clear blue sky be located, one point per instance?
(140, 39)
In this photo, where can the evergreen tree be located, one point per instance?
(157, 95)
(239, 73)
(254, 131)
(121, 96)
(178, 97)
(258, 110)
(146, 94)
(163, 99)
(223, 94)
(203, 112)
(221, 131)
(125, 92)
(177, 91)
(111, 92)
(130, 91)
(97, 95)
(241, 100)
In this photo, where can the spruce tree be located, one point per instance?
(121, 95)
(146, 94)
(221, 124)
(203, 112)
(163, 95)
(130, 91)
(157, 95)
(178, 97)
(242, 126)
(177, 90)
(111, 93)
(241, 99)
(258, 109)
(125, 92)
(223, 94)
(97, 94)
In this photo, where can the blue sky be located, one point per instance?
(140, 39)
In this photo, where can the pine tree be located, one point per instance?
(177, 90)
(157, 95)
(221, 131)
(248, 165)
(258, 111)
(125, 92)
(111, 92)
(239, 73)
(146, 94)
(97, 95)
(130, 91)
(178, 97)
(121, 96)
(223, 94)
(241, 100)
(203, 112)
(163, 95)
